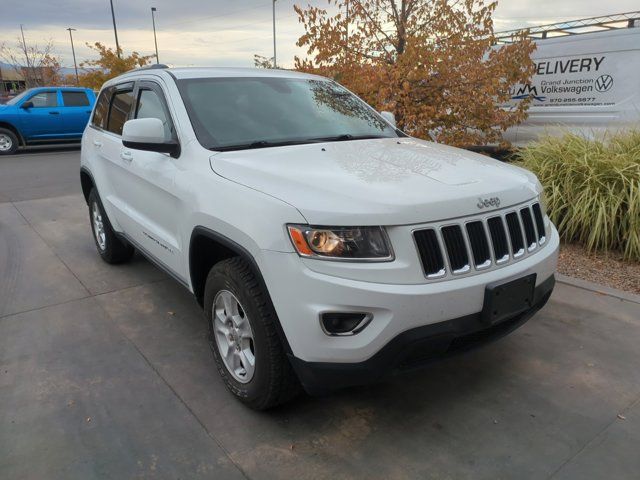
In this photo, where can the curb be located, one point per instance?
(601, 289)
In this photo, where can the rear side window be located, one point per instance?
(44, 99)
(75, 99)
(102, 109)
(121, 103)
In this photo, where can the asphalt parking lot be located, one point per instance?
(105, 372)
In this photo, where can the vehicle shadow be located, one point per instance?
(35, 149)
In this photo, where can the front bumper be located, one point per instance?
(415, 348)
(300, 295)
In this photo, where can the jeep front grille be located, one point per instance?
(474, 244)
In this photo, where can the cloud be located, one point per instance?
(221, 32)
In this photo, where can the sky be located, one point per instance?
(222, 32)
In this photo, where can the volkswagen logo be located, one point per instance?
(604, 83)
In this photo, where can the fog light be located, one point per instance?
(344, 323)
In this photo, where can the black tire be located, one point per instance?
(9, 140)
(113, 250)
(273, 381)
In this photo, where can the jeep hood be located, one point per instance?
(394, 181)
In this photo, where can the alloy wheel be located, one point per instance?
(233, 336)
(98, 226)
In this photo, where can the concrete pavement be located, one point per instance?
(105, 372)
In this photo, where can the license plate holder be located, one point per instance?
(506, 300)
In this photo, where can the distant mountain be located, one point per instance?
(63, 70)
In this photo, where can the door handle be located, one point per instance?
(54, 113)
(126, 156)
(97, 144)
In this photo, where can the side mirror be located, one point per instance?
(148, 134)
(389, 117)
(27, 104)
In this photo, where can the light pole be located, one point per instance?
(73, 50)
(26, 56)
(155, 40)
(346, 39)
(115, 30)
(274, 35)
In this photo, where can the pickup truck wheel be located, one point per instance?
(8, 142)
(243, 337)
(110, 247)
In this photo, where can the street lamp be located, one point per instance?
(155, 40)
(75, 65)
(115, 30)
(274, 35)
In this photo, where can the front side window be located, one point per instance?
(121, 103)
(75, 99)
(15, 100)
(44, 100)
(254, 112)
(150, 105)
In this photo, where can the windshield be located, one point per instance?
(17, 98)
(255, 112)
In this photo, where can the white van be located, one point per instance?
(587, 83)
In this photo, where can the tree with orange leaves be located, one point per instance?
(431, 62)
(109, 65)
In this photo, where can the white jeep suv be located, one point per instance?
(326, 247)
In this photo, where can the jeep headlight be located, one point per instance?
(341, 243)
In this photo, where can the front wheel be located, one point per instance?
(244, 340)
(8, 142)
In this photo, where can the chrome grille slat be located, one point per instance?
(515, 234)
(498, 239)
(484, 242)
(539, 222)
(529, 228)
(479, 244)
(456, 248)
(430, 253)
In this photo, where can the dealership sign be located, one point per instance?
(567, 81)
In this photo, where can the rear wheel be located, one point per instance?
(8, 142)
(110, 247)
(243, 337)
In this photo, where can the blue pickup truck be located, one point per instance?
(44, 115)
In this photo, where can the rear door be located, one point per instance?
(42, 121)
(113, 110)
(75, 110)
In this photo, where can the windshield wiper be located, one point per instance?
(282, 143)
(257, 144)
(344, 137)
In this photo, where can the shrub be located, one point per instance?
(592, 188)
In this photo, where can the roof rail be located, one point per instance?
(574, 27)
(155, 66)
